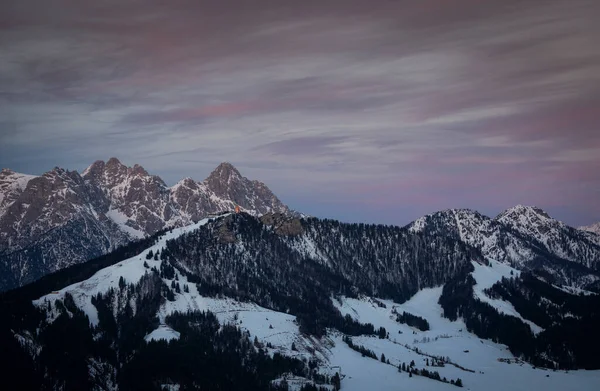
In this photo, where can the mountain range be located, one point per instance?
(128, 284)
(277, 302)
(62, 217)
(526, 238)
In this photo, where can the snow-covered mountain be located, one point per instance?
(556, 237)
(594, 228)
(62, 218)
(251, 303)
(524, 237)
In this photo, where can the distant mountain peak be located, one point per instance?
(113, 172)
(525, 214)
(108, 204)
(594, 228)
(224, 172)
(113, 161)
(139, 170)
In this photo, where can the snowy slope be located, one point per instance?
(445, 338)
(479, 231)
(12, 185)
(162, 332)
(594, 228)
(471, 359)
(131, 270)
(485, 277)
(556, 237)
(525, 237)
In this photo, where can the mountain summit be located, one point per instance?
(525, 237)
(104, 207)
(594, 228)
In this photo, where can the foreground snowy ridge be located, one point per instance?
(480, 364)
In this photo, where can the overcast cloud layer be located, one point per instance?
(374, 111)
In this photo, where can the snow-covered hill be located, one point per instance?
(62, 218)
(526, 238)
(480, 364)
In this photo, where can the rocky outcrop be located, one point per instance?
(61, 218)
(283, 225)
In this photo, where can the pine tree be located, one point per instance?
(383, 358)
(149, 255)
(336, 381)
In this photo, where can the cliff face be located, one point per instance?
(62, 217)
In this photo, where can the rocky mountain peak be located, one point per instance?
(109, 204)
(518, 212)
(139, 170)
(114, 173)
(113, 162)
(224, 173)
(95, 169)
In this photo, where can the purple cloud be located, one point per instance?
(375, 111)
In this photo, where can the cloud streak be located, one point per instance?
(419, 105)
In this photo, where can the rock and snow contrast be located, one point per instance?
(524, 237)
(61, 218)
(176, 273)
(281, 300)
(446, 347)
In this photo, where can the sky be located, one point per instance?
(374, 111)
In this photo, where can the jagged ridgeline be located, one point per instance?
(62, 217)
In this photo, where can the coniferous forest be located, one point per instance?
(54, 345)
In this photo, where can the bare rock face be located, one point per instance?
(136, 196)
(283, 225)
(61, 218)
(225, 233)
(226, 182)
